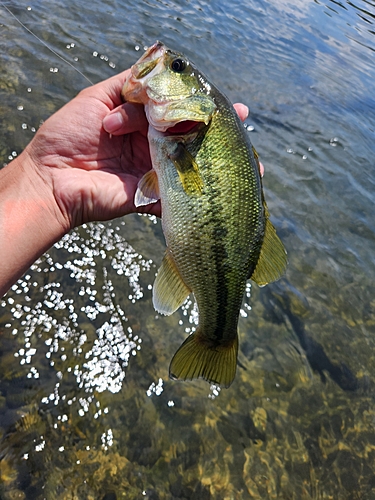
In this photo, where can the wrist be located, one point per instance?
(35, 189)
(43, 170)
(30, 220)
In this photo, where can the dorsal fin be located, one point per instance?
(272, 260)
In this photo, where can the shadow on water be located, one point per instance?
(280, 301)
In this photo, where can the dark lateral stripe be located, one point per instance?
(222, 293)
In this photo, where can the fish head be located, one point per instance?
(170, 87)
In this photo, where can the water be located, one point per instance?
(86, 406)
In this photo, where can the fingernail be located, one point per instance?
(112, 122)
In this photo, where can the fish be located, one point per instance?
(215, 220)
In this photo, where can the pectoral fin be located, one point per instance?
(169, 290)
(187, 169)
(147, 190)
(272, 260)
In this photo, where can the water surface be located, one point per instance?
(86, 406)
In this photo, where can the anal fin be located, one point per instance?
(169, 290)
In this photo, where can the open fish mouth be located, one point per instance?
(183, 127)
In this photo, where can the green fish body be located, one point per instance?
(214, 217)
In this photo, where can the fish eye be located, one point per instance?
(178, 65)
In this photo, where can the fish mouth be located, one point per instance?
(183, 127)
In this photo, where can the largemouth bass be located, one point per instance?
(214, 216)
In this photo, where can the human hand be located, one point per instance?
(93, 175)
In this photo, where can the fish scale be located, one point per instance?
(214, 217)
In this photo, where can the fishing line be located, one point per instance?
(44, 43)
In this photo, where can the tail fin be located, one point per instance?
(198, 358)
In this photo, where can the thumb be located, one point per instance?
(126, 119)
